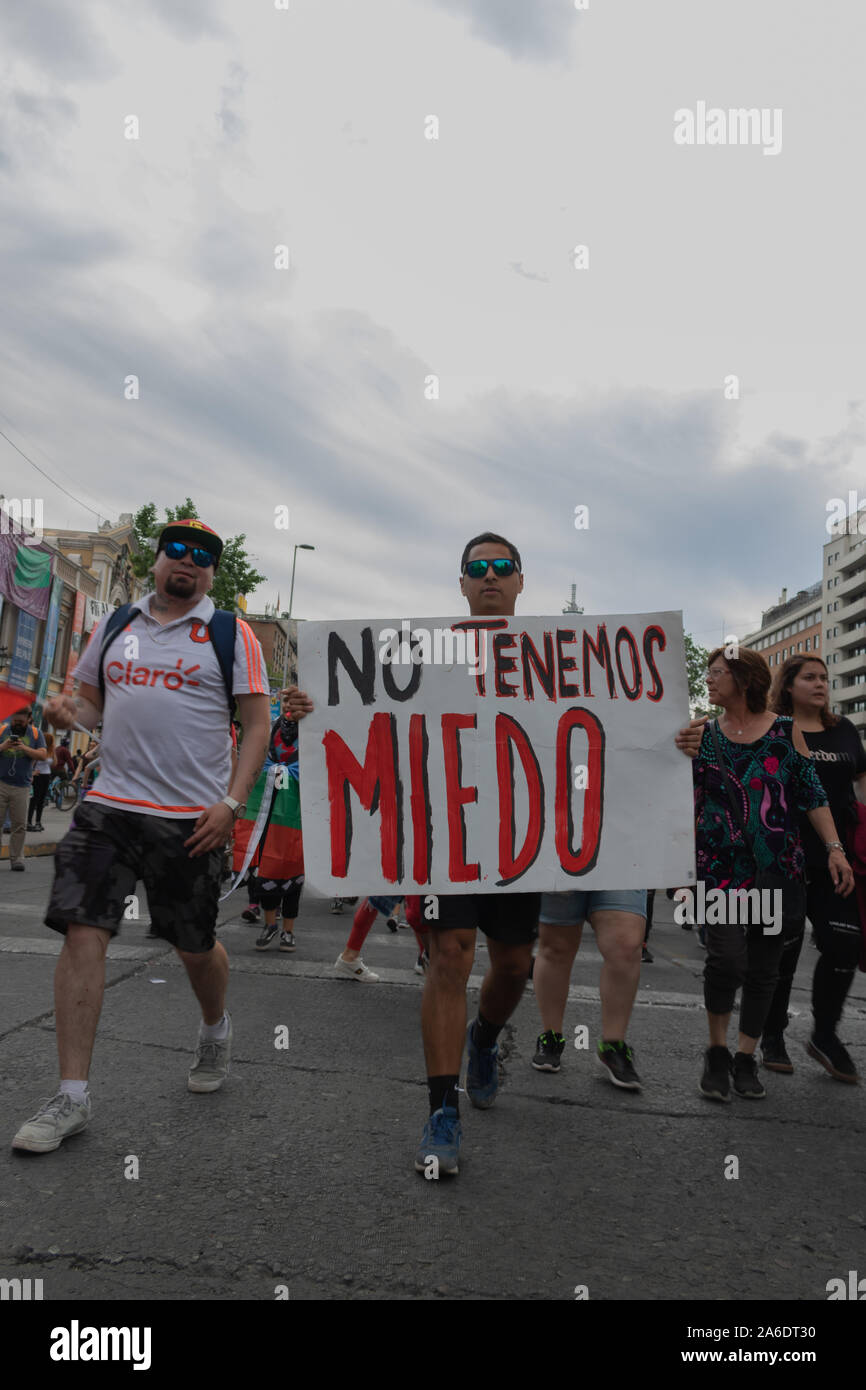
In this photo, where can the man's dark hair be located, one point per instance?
(496, 540)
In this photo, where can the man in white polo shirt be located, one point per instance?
(159, 811)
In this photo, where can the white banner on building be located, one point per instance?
(94, 609)
(543, 759)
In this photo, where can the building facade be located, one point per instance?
(105, 554)
(274, 632)
(790, 626)
(41, 633)
(844, 618)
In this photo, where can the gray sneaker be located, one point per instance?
(53, 1122)
(211, 1064)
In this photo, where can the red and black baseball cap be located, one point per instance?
(192, 532)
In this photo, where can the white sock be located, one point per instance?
(76, 1089)
(215, 1032)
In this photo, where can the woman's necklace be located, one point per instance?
(737, 731)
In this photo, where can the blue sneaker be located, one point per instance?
(482, 1072)
(440, 1143)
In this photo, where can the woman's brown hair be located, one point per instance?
(49, 743)
(781, 699)
(751, 676)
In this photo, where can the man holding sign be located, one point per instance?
(493, 781)
(491, 580)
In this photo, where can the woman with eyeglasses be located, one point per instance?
(772, 782)
(801, 691)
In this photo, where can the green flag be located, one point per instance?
(32, 568)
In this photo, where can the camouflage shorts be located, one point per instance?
(104, 854)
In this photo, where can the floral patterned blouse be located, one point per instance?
(772, 782)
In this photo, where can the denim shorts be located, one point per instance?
(564, 909)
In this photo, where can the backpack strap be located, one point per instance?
(117, 621)
(223, 629)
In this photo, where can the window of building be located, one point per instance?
(807, 643)
(817, 641)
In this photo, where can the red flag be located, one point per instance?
(12, 700)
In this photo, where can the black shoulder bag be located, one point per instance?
(793, 893)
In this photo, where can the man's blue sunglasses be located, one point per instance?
(477, 569)
(175, 550)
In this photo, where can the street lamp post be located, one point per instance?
(291, 599)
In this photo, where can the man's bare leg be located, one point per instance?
(79, 984)
(505, 980)
(208, 973)
(443, 1007)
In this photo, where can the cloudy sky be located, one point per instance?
(453, 257)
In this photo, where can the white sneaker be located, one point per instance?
(57, 1119)
(355, 970)
(211, 1063)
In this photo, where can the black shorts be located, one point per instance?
(101, 859)
(511, 918)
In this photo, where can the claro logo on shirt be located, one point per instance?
(198, 632)
(124, 673)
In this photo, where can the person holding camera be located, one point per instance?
(21, 747)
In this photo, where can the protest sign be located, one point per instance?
(455, 755)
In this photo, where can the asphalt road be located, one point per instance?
(299, 1172)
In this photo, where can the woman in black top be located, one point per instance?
(801, 689)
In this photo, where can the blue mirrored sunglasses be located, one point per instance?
(477, 569)
(175, 550)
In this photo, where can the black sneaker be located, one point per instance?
(747, 1083)
(392, 923)
(645, 957)
(549, 1049)
(774, 1054)
(617, 1060)
(265, 937)
(251, 914)
(833, 1057)
(716, 1080)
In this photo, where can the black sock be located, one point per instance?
(442, 1091)
(484, 1034)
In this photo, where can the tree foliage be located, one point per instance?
(696, 670)
(235, 574)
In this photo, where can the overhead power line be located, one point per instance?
(52, 481)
